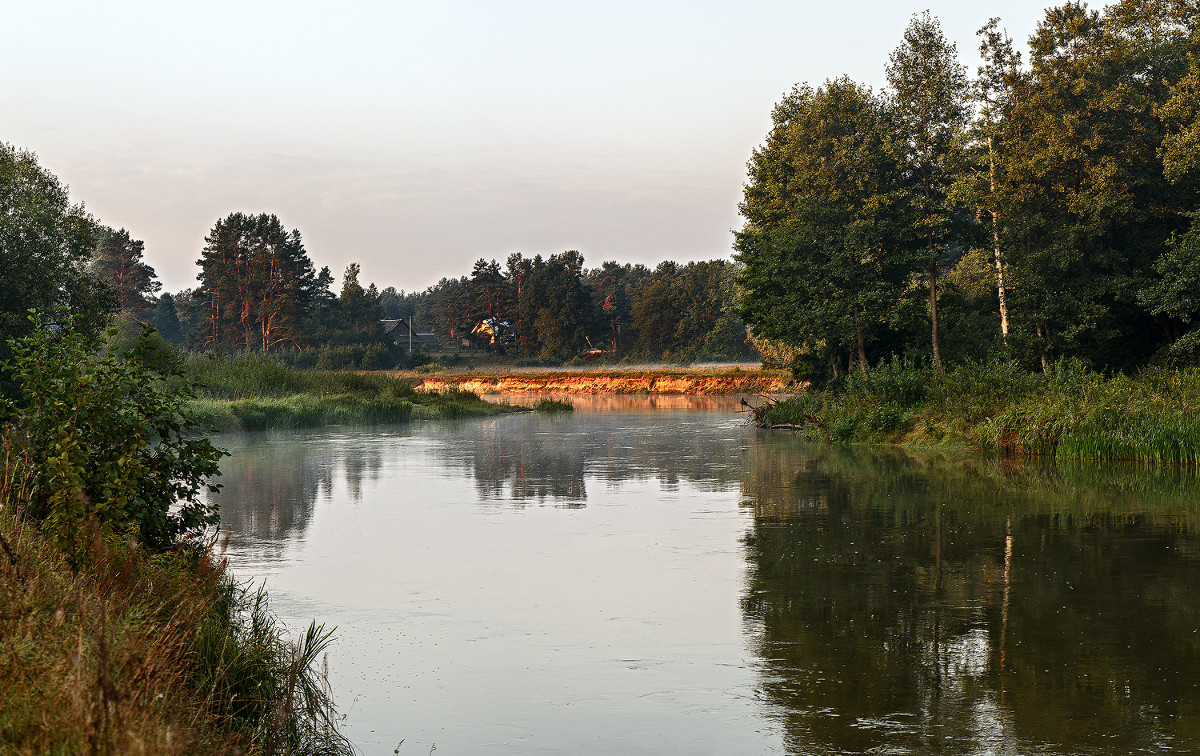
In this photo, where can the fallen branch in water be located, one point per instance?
(759, 412)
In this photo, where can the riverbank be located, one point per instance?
(1068, 414)
(254, 393)
(149, 653)
(719, 380)
(120, 629)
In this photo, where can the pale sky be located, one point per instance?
(417, 137)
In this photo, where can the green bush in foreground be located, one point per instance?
(1068, 413)
(104, 438)
(122, 632)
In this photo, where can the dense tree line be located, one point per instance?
(555, 308)
(1041, 210)
(259, 291)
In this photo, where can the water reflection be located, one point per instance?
(553, 457)
(272, 481)
(947, 604)
(876, 601)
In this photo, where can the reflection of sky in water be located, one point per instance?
(528, 584)
(677, 582)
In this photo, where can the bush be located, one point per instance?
(105, 440)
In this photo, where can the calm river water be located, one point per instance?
(656, 576)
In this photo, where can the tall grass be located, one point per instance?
(1071, 413)
(550, 405)
(150, 653)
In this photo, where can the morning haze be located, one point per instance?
(416, 138)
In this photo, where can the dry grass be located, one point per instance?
(141, 653)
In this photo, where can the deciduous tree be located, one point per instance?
(45, 243)
(826, 244)
(929, 110)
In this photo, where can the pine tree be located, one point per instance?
(256, 284)
(117, 262)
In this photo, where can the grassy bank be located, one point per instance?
(120, 631)
(253, 393)
(149, 653)
(1070, 413)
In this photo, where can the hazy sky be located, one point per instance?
(415, 138)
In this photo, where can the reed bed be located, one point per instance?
(553, 406)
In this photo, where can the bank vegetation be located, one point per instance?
(1066, 413)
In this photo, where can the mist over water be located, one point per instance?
(633, 579)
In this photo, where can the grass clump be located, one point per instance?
(1068, 413)
(553, 405)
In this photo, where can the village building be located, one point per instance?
(402, 333)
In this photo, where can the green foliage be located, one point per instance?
(1071, 412)
(117, 262)
(45, 242)
(165, 319)
(825, 246)
(105, 438)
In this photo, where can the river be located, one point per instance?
(654, 575)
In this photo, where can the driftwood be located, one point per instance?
(759, 412)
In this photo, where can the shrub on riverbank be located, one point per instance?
(1068, 413)
(251, 392)
(149, 652)
(121, 632)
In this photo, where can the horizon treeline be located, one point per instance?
(554, 308)
(1040, 210)
(259, 292)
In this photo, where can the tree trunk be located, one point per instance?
(996, 243)
(933, 314)
(862, 352)
(1045, 361)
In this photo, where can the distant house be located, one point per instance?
(494, 329)
(399, 331)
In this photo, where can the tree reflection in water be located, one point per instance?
(550, 458)
(272, 481)
(894, 602)
(1055, 613)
